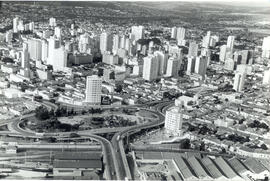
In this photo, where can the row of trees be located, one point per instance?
(257, 124)
(42, 113)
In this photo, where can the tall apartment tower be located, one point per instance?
(239, 81)
(172, 66)
(201, 65)
(137, 32)
(230, 43)
(116, 44)
(174, 120)
(150, 67)
(193, 49)
(173, 32)
(93, 90)
(181, 32)
(34, 48)
(52, 22)
(44, 50)
(15, 24)
(206, 40)
(191, 65)
(266, 77)
(266, 47)
(25, 56)
(222, 53)
(106, 42)
(162, 60)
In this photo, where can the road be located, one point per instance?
(117, 140)
(116, 166)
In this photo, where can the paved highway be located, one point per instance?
(116, 165)
(117, 140)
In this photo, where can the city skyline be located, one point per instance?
(134, 90)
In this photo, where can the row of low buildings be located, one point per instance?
(179, 166)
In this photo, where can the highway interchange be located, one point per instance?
(115, 161)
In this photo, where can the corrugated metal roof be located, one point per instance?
(197, 167)
(184, 168)
(254, 165)
(237, 165)
(77, 164)
(152, 155)
(77, 156)
(211, 167)
(225, 167)
(266, 164)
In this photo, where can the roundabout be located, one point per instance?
(115, 161)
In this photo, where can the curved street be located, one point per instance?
(113, 151)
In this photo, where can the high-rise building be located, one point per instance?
(229, 64)
(60, 59)
(173, 32)
(15, 24)
(201, 65)
(34, 48)
(93, 89)
(174, 120)
(9, 37)
(54, 43)
(52, 22)
(25, 56)
(57, 32)
(116, 43)
(174, 49)
(239, 81)
(206, 40)
(213, 40)
(193, 49)
(222, 53)
(181, 32)
(206, 52)
(20, 25)
(44, 50)
(230, 43)
(266, 47)
(137, 32)
(110, 58)
(266, 77)
(123, 41)
(244, 68)
(106, 42)
(237, 57)
(172, 66)
(31, 26)
(127, 44)
(84, 42)
(150, 67)
(191, 65)
(162, 59)
(245, 56)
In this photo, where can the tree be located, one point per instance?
(42, 113)
(83, 112)
(58, 112)
(223, 151)
(185, 144)
(241, 121)
(202, 147)
(51, 113)
(118, 88)
(264, 147)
